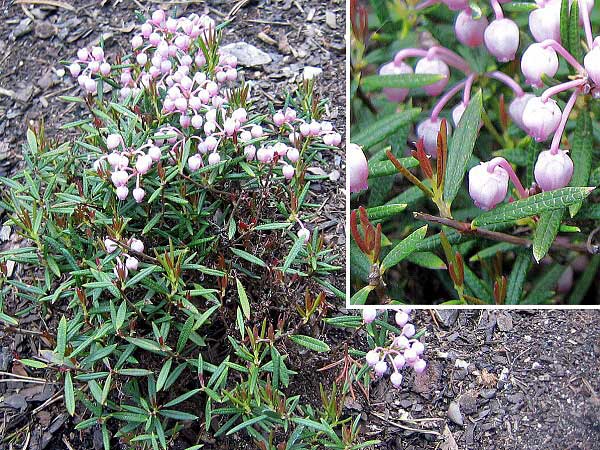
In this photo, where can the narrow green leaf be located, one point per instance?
(360, 297)
(405, 81)
(385, 211)
(383, 128)
(293, 253)
(32, 141)
(245, 304)
(69, 394)
(582, 149)
(248, 257)
(33, 363)
(184, 335)
(574, 32)
(61, 336)
(403, 249)
(246, 424)
(461, 147)
(546, 231)
(386, 168)
(536, 204)
(310, 342)
(564, 22)
(145, 344)
(182, 398)
(517, 278)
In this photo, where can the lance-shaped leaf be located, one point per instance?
(386, 168)
(403, 249)
(378, 131)
(536, 204)
(546, 231)
(461, 147)
(581, 154)
(405, 81)
(310, 342)
(516, 279)
(385, 211)
(360, 298)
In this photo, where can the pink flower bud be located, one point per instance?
(401, 318)
(146, 30)
(90, 86)
(211, 143)
(197, 121)
(97, 53)
(250, 152)
(290, 114)
(410, 355)
(408, 330)
(256, 131)
(292, 154)
(114, 159)
(132, 263)
(280, 148)
(83, 54)
(381, 368)
(141, 59)
(119, 178)
(75, 69)
(232, 74)
(122, 192)
(544, 22)
(158, 17)
(357, 168)
(434, 66)
(185, 121)
(171, 25)
(369, 315)
(264, 154)
(419, 366)
(401, 342)
(112, 142)
(139, 194)
(486, 188)
(137, 41)
(553, 170)
(303, 233)
(516, 109)
(397, 95)
(240, 115)
(418, 347)
(194, 162)
(94, 66)
(214, 158)
(288, 171)
(136, 245)
(229, 127)
(541, 118)
(470, 31)
(591, 62)
(105, 69)
(154, 153)
(195, 103)
(372, 357)
(536, 61)
(165, 66)
(396, 379)
(110, 245)
(399, 361)
(221, 77)
(305, 129)
(502, 39)
(143, 164)
(428, 130)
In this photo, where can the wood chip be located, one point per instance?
(55, 3)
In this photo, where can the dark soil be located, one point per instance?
(33, 41)
(516, 380)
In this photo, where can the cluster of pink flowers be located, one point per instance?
(122, 269)
(169, 62)
(539, 116)
(403, 351)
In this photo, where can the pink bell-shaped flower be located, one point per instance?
(544, 22)
(591, 62)
(357, 167)
(428, 130)
(502, 39)
(434, 66)
(553, 170)
(369, 315)
(487, 188)
(395, 94)
(396, 379)
(470, 31)
(536, 61)
(516, 108)
(541, 118)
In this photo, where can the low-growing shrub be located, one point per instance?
(172, 232)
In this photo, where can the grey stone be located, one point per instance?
(246, 54)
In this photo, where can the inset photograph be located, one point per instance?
(474, 154)
(172, 224)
